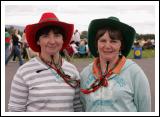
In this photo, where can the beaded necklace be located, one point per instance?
(57, 67)
(102, 80)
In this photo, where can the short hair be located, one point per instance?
(47, 29)
(114, 34)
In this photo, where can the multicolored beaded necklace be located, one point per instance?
(102, 80)
(70, 81)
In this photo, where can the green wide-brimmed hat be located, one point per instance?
(128, 33)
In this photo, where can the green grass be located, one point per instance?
(147, 53)
(88, 59)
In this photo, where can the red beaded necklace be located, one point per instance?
(72, 82)
(101, 81)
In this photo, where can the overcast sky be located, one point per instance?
(141, 17)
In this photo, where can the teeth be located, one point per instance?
(51, 47)
(108, 52)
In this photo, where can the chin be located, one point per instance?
(108, 58)
(51, 53)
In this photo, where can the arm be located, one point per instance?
(142, 97)
(18, 94)
(77, 105)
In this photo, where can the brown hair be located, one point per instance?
(114, 34)
(46, 29)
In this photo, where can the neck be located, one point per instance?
(50, 58)
(111, 64)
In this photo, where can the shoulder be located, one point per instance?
(70, 69)
(30, 62)
(31, 65)
(68, 65)
(88, 67)
(135, 72)
(132, 66)
(87, 70)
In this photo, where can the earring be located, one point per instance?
(38, 43)
(120, 53)
(97, 53)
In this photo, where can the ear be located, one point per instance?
(38, 43)
(122, 46)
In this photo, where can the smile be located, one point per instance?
(108, 51)
(52, 47)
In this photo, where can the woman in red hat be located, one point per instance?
(47, 82)
(113, 83)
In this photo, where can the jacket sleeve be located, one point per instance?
(142, 95)
(77, 105)
(76, 102)
(18, 95)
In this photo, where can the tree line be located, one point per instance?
(138, 36)
(85, 33)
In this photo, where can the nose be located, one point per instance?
(108, 44)
(52, 38)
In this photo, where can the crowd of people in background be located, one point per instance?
(16, 46)
(78, 47)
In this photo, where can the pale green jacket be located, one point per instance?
(128, 91)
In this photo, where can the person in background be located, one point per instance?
(20, 44)
(46, 83)
(77, 37)
(75, 49)
(113, 83)
(7, 44)
(82, 49)
(15, 49)
(25, 47)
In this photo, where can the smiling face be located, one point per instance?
(50, 40)
(109, 44)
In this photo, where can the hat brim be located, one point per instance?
(127, 31)
(32, 29)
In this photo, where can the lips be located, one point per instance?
(108, 51)
(51, 47)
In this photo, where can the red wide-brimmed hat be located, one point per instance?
(47, 19)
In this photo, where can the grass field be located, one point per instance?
(80, 63)
(147, 53)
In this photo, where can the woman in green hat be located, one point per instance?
(113, 82)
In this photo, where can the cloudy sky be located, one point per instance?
(143, 16)
(140, 16)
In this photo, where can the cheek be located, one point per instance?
(41, 43)
(100, 46)
(118, 47)
(61, 43)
